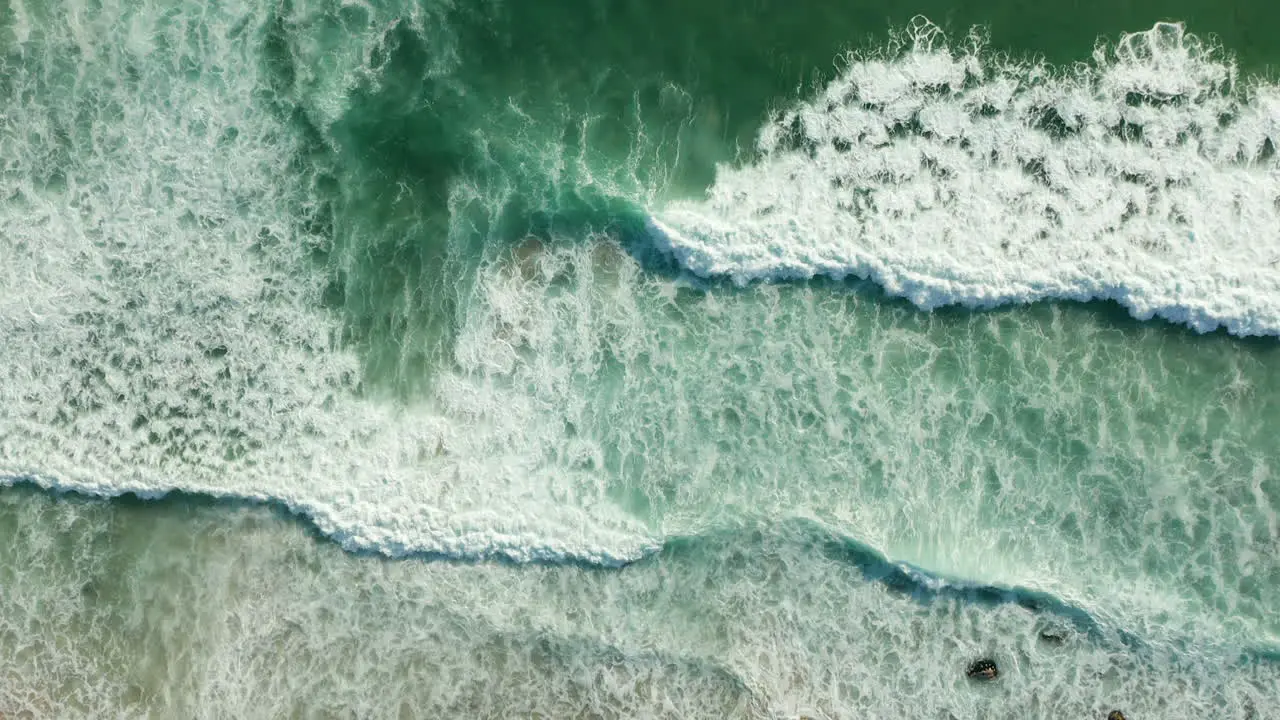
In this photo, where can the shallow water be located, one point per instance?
(517, 361)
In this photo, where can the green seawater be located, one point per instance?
(340, 377)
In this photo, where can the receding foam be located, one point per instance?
(209, 613)
(952, 175)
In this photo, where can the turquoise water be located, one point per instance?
(622, 360)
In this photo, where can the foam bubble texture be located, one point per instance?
(216, 612)
(1120, 469)
(949, 174)
(161, 323)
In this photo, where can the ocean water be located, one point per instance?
(618, 360)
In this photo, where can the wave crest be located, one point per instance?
(952, 175)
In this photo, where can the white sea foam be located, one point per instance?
(951, 175)
(161, 325)
(213, 614)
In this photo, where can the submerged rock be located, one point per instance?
(984, 669)
(1053, 636)
(1116, 715)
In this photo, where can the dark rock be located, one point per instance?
(984, 669)
(1115, 715)
(1055, 636)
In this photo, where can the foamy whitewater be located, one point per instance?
(322, 257)
(163, 331)
(951, 175)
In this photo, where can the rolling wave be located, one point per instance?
(1060, 620)
(952, 175)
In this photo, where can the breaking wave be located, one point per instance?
(949, 174)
